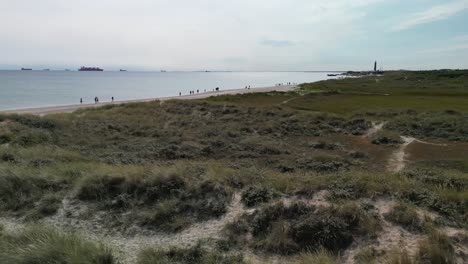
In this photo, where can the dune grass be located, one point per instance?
(195, 254)
(43, 245)
(165, 166)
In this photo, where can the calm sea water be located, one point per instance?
(25, 89)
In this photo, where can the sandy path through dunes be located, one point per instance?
(398, 160)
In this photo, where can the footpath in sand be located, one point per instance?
(71, 108)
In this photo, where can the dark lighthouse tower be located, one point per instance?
(375, 66)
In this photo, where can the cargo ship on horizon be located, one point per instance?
(90, 69)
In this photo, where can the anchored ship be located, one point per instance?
(90, 69)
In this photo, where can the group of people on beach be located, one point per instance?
(192, 92)
(288, 83)
(96, 100)
(198, 91)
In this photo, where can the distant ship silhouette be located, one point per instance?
(90, 69)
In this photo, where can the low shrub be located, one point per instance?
(200, 203)
(398, 256)
(385, 137)
(119, 191)
(195, 254)
(426, 198)
(299, 227)
(163, 202)
(334, 228)
(405, 216)
(42, 245)
(326, 146)
(367, 255)
(437, 248)
(322, 164)
(236, 229)
(358, 126)
(23, 192)
(256, 194)
(5, 138)
(32, 138)
(165, 216)
(321, 256)
(358, 155)
(439, 178)
(432, 125)
(47, 206)
(9, 157)
(33, 121)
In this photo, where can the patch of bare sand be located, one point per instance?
(459, 236)
(394, 236)
(391, 236)
(319, 199)
(398, 160)
(376, 127)
(460, 243)
(126, 247)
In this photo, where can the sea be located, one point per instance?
(28, 89)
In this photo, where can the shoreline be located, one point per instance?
(71, 108)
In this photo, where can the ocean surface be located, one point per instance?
(26, 89)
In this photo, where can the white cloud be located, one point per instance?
(435, 13)
(453, 45)
(178, 34)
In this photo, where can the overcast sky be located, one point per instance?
(234, 34)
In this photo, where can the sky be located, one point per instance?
(240, 35)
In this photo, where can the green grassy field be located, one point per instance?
(293, 177)
(394, 91)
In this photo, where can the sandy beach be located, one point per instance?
(70, 108)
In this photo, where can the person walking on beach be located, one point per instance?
(112, 98)
(197, 91)
(180, 94)
(81, 100)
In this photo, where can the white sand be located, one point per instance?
(71, 108)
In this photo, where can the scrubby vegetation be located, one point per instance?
(195, 254)
(449, 125)
(385, 137)
(437, 248)
(39, 245)
(321, 256)
(294, 175)
(405, 216)
(287, 229)
(255, 195)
